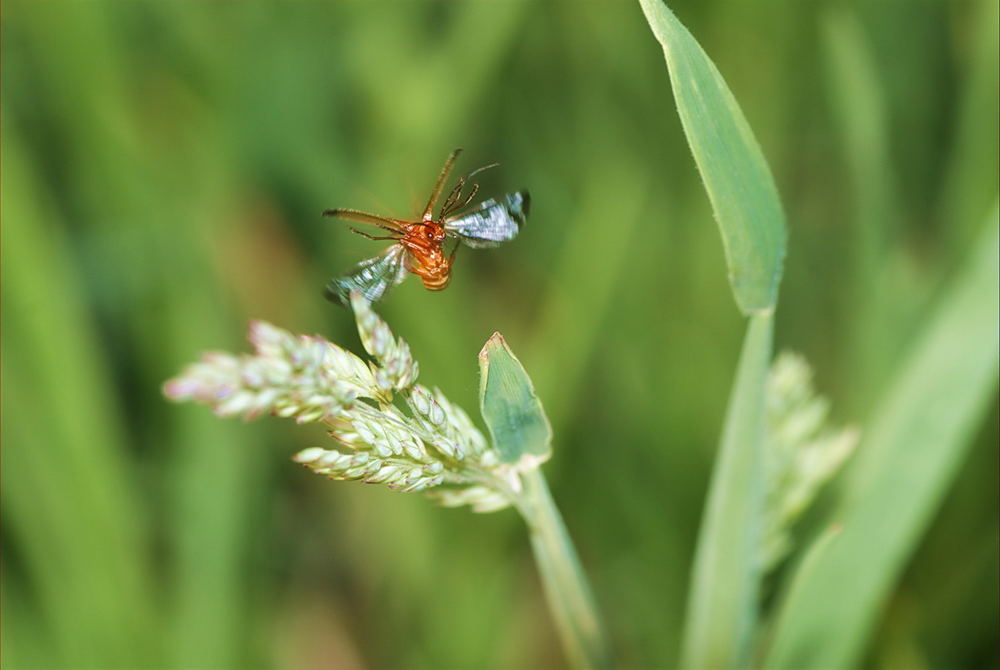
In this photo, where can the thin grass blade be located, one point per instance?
(721, 611)
(860, 113)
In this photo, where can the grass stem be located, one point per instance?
(565, 585)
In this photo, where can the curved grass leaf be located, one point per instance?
(911, 452)
(722, 604)
(736, 176)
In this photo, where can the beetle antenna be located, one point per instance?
(442, 178)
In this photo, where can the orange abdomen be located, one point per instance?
(436, 282)
(430, 264)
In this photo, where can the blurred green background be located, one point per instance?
(164, 167)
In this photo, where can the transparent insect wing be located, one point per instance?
(372, 277)
(492, 222)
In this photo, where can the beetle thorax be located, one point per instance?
(424, 235)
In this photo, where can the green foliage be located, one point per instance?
(736, 176)
(722, 604)
(723, 601)
(164, 167)
(917, 438)
(71, 494)
(513, 413)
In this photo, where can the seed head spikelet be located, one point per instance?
(803, 451)
(310, 379)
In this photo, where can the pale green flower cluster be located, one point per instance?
(802, 451)
(313, 380)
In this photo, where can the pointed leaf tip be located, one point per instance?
(513, 413)
(496, 340)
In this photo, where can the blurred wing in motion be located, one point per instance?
(492, 222)
(372, 277)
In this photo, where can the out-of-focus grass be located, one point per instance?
(916, 439)
(164, 165)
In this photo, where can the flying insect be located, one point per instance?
(419, 246)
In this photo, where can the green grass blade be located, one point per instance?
(803, 572)
(736, 176)
(722, 603)
(861, 116)
(68, 489)
(972, 168)
(911, 452)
